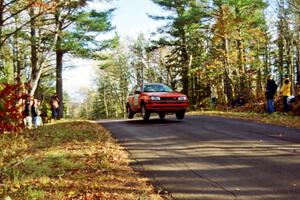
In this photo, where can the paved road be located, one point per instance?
(214, 158)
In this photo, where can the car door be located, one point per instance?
(130, 99)
(136, 98)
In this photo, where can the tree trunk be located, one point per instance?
(298, 65)
(170, 76)
(228, 87)
(1, 27)
(59, 81)
(240, 83)
(291, 64)
(59, 63)
(267, 69)
(197, 89)
(192, 82)
(240, 55)
(16, 51)
(298, 52)
(280, 61)
(281, 40)
(259, 90)
(105, 103)
(220, 90)
(297, 42)
(39, 72)
(1, 19)
(185, 68)
(33, 45)
(227, 81)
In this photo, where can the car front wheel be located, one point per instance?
(130, 114)
(145, 112)
(162, 115)
(180, 114)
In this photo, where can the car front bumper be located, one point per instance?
(167, 106)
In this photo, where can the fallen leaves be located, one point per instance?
(69, 161)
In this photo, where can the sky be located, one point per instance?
(130, 18)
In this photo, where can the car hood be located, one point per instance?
(165, 94)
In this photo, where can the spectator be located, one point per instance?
(35, 111)
(270, 92)
(285, 92)
(54, 107)
(27, 113)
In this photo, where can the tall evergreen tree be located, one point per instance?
(77, 31)
(184, 15)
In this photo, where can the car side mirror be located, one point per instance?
(137, 92)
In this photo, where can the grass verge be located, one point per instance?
(68, 160)
(275, 118)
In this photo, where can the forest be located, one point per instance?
(223, 49)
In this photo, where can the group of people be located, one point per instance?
(31, 110)
(285, 92)
(32, 113)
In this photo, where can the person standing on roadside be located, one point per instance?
(270, 92)
(27, 112)
(285, 92)
(54, 107)
(35, 111)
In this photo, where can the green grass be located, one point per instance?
(68, 160)
(275, 118)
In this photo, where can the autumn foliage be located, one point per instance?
(68, 161)
(11, 119)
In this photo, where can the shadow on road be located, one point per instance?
(153, 121)
(210, 158)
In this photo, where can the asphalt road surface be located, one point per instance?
(214, 158)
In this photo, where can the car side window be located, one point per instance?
(148, 88)
(137, 89)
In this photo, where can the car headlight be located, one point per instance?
(155, 98)
(183, 98)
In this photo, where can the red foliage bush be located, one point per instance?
(11, 118)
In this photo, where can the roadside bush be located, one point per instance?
(11, 119)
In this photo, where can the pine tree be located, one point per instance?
(81, 39)
(184, 19)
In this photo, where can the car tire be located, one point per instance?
(162, 115)
(145, 112)
(180, 114)
(130, 114)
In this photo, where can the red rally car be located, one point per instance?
(156, 98)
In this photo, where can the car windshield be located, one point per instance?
(157, 88)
